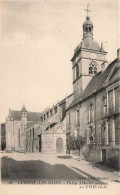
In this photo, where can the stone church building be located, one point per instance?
(94, 113)
(16, 123)
(91, 111)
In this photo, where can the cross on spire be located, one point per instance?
(87, 10)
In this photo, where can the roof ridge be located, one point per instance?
(27, 111)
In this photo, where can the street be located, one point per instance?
(41, 167)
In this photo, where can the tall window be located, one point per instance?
(77, 71)
(117, 98)
(104, 105)
(77, 117)
(69, 119)
(63, 114)
(30, 133)
(93, 68)
(18, 137)
(103, 133)
(104, 126)
(33, 132)
(110, 100)
(91, 113)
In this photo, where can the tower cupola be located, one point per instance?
(87, 26)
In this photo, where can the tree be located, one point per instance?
(76, 143)
(3, 136)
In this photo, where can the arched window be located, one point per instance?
(89, 29)
(86, 29)
(93, 68)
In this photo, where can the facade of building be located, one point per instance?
(50, 134)
(16, 123)
(94, 113)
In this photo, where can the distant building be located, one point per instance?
(16, 123)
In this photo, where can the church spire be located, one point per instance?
(87, 26)
(23, 109)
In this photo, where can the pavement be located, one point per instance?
(35, 166)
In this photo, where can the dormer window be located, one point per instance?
(93, 68)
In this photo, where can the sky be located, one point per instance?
(38, 39)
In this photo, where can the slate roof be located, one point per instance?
(23, 109)
(32, 116)
(89, 44)
(94, 85)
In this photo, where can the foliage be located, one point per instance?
(75, 143)
(3, 145)
(3, 137)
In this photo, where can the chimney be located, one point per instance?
(118, 53)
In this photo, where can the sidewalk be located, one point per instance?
(96, 170)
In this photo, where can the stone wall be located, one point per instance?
(113, 157)
(49, 142)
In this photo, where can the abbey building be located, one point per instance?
(94, 113)
(91, 112)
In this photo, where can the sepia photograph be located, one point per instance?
(60, 96)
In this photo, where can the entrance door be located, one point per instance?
(59, 146)
(104, 156)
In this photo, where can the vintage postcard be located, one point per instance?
(59, 97)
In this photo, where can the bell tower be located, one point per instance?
(23, 117)
(87, 59)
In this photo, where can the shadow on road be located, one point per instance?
(103, 167)
(35, 170)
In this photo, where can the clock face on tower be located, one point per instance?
(93, 55)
